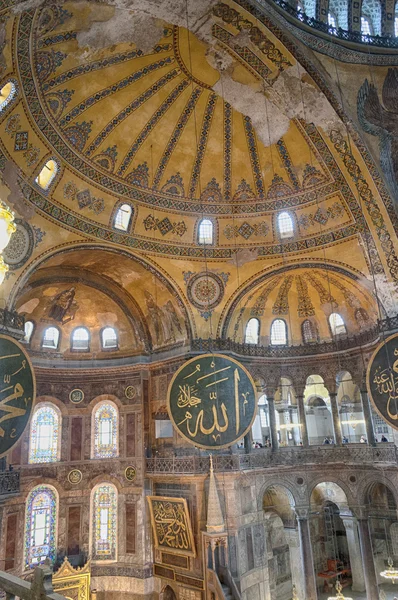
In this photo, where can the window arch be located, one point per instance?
(396, 20)
(105, 430)
(47, 174)
(278, 333)
(332, 21)
(371, 12)
(123, 216)
(109, 338)
(28, 328)
(45, 434)
(104, 522)
(337, 325)
(309, 332)
(50, 338)
(80, 339)
(285, 225)
(40, 525)
(252, 331)
(7, 93)
(205, 232)
(366, 27)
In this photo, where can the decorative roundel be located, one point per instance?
(20, 247)
(205, 290)
(76, 396)
(75, 476)
(130, 473)
(130, 392)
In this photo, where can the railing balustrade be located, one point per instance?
(9, 483)
(41, 587)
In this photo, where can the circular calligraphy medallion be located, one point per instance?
(17, 392)
(211, 401)
(130, 473)
(76, 396)
(205, 290)
(382, 380)
(75, 476)
(130, 392)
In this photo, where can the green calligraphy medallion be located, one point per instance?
(17, 392)
(382, 380)
(211, 401)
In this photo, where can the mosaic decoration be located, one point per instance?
(31, 155)
(174, 185)
(77, 134)
(76, 396)
(21, 245)
(211, 401)
(227, 151)
(130, 392)
(21, 141)
(351, 299)
(278, 188)
(257, 37)
(44, 435)
(321, 216)
(130, 473)
(83, 198)
(281, 304)
(58, 101)
(75, 476)
(106, 431)
(171, 525)
(324, 295)
(13, 125)
(107, 159)
(240, 316)
(17, 394)
(201, 145)
(212, 192)
(382, 380)
(205, 290)
(165, 226)
(287, 163)
(246, 230)
(305, 306)
(252, 146)
(48, 62)
(40, 526)
(62, 307)
(244, 192)
(39, 235)
(257, 309)
(312, 177)
(104, 529)
(139, 175)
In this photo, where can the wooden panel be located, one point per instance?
(131, 527)
(76, 438)
(74, 517)
(130, 434)
(11, 540)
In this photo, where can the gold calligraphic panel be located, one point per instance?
(73, 583)
(17, 392)
(171, 525)
(382, 380)
(211, 401)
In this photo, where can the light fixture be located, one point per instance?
(391, 573)
(353, 422)
(339, 595)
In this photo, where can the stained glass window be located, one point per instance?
(105, 420)
(40, 526)
(104, 522)
(45, 435)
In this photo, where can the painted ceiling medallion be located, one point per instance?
(20, 247)
(205, 290)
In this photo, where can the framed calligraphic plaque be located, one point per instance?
(211, 401)
(382, 380)
(17, 392)
(171, 525)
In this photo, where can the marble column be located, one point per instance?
(302, 420)
(367, 414)
(248, 442)
(272, 423)
(367, 559)
(336, 418)
(354, 551)
(293, 539)
(283, 431)
(307, 560)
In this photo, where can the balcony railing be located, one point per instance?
(263, 458)
(12, 323)
(342, 34)
(9, 483)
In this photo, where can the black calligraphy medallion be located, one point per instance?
(211, 401)
(382, 380)
(17, 392)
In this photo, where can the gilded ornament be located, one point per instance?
(130, 473)
(75, 476)
(76, 396)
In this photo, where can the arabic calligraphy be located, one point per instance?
(171, 525)
(17, 392)
(212, 401)
(382, 379)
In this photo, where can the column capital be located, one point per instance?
(302, 512)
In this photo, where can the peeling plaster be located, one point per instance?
(15, 198)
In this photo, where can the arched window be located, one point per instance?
(337, 324)
(7, 93)
(45, 434)
(396, 21)
(80, 339)
(40, 526)
(205, 232)
(309, 332)
(332, 22)
(104, 522)
(278, 333)
(285, 225)
(365, 27)
(252, 331)
(28, 331)
(105, 431)
(50, 338)
(47, 174)
(109, 338)
(123, 217)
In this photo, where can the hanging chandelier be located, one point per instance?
(391, 573)
(339, 594)
(7, 228)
